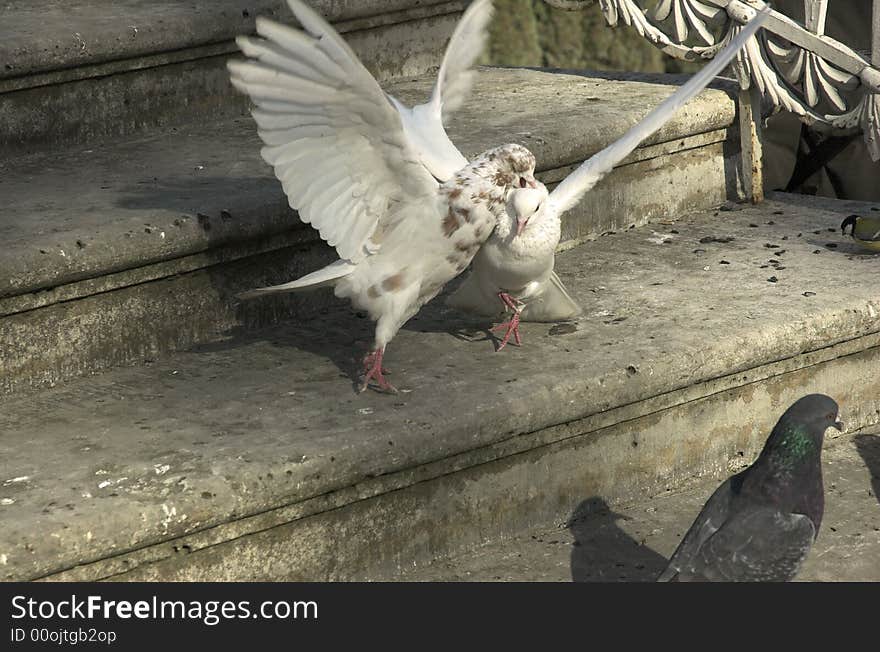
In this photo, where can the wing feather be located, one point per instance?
(268, 120)
(467, 43)
(278, 58)
(762, 544)
(568, 193)
(335, 141)
(713, 515)
(299, 46)
(423, 124)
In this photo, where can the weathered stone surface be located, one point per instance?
(59, 34)
(89, 235)
(124, 97)
(118, 200)
(224, 444)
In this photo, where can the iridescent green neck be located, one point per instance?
(795, 445)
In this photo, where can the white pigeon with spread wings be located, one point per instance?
(352, 162)
(515, 265)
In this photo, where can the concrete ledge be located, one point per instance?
(52, 35)
(106, 101)
(253, 458)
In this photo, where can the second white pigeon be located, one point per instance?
(514, 268)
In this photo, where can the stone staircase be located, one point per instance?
(224, 441)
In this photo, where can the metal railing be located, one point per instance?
(795, 67)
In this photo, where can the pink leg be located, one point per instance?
(512, 325)
(373, 369)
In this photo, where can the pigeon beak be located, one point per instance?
(839, 425)
(521, 225)
(533, 183)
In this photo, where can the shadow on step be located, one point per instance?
(869, 448)
(333, 333)
(324, 326)
(603, 552)
(435, 317)
(219, 209)
(329, 329)
(194, 191)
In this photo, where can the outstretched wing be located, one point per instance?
(572, 189)
(335, 141)
(423, 124)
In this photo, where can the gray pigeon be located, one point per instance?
(759, 525)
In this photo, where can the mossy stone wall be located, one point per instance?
(532, 33)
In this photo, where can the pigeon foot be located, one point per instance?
(373, 370)
(512, 325)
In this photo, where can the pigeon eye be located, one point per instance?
(522, 182)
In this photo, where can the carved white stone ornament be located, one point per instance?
(796, 67)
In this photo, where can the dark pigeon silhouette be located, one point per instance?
(759, 525)
(602, 551)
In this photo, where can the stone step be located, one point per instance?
(82, 72)
(119, 252)
(253, 458)
(633, 542)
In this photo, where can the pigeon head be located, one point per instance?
(525, 202)
(816, 411)
(800, 430)
(508, 167)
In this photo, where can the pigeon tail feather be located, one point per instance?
(554, 304)
(323, 277)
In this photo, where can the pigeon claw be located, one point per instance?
(373, 371)
(512, 327)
